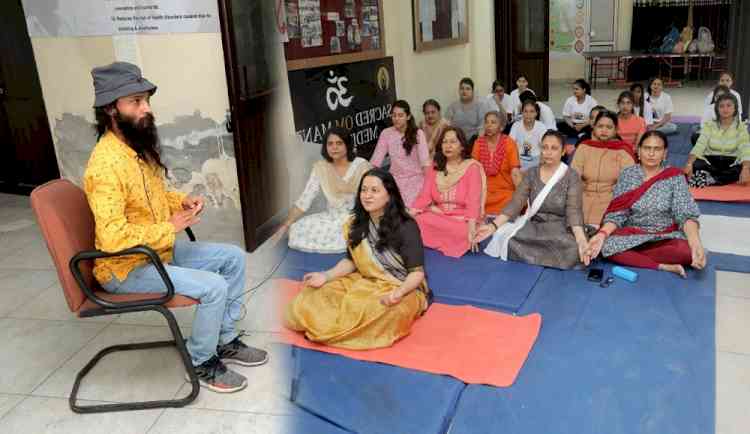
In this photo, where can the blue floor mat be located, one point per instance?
(304, 422)
(297, 263)
(475, 279)
(372, 398)
(730, 209)
(677, 160)
(680, 143)
(480, 280)
(630, 358)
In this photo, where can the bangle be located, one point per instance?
(494, 224)
(603, 232)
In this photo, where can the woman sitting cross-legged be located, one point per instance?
(576, 110)
(498, 154)
(550, 233)
(661, 104)
(722, 154)
(337, 176)
(599, 161)
(452, 197)
(370, 298)
(653, 220)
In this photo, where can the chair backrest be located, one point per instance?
(67, 225)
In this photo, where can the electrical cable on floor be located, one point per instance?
(252, 290)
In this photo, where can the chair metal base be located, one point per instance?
(178, 342)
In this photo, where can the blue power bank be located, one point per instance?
(624, 273)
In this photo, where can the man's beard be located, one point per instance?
(140, 135)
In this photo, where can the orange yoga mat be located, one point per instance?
(474, 345)
(724, 193)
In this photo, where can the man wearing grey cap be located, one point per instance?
(125, 187)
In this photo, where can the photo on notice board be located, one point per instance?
(329, 32)
(440, 23)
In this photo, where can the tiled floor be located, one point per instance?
(44, 346)
(688, 99)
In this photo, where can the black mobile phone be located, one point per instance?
(595, 275)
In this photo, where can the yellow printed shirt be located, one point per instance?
(131, 207)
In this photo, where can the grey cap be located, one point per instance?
(117, 80)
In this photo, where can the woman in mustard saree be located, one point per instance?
(370, 298)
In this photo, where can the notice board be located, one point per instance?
(328, 32)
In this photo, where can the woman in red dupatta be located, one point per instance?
(600, 161)
(653, 220)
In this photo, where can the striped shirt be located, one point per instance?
(731, 142)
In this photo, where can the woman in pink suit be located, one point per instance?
(452, 198)
(408, 149)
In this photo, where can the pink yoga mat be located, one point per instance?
(474, 345)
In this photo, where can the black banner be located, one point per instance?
(356, 96)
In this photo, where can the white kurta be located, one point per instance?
(322, 232)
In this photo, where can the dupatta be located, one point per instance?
(390, 261)
(626, 201)
(615, 145)
(445, 182)
(336, 189)
(498, 247)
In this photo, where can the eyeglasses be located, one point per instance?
(607, 282)
(651, 149)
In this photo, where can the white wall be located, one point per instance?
(436, 73)
(192, 94)
(570, 65)
(419, 76)
(190, 106)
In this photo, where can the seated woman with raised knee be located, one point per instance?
(550, 233)
(653, 220)
(599, 161)
(661, 104)
(576, 110)
(722, 153)
(452, 197)
(337, 177)
(370, 298)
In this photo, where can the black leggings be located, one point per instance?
(571, 132)
(722, 169)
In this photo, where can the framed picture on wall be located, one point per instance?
(440, 23)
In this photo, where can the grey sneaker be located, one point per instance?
(215, 376)
(238, 353)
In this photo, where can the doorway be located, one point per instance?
(251, 60)
(27, 154)
(522, 43)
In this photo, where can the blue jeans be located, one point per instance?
(209, 272)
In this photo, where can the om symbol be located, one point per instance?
(335, 94)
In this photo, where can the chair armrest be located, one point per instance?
(98, 254)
